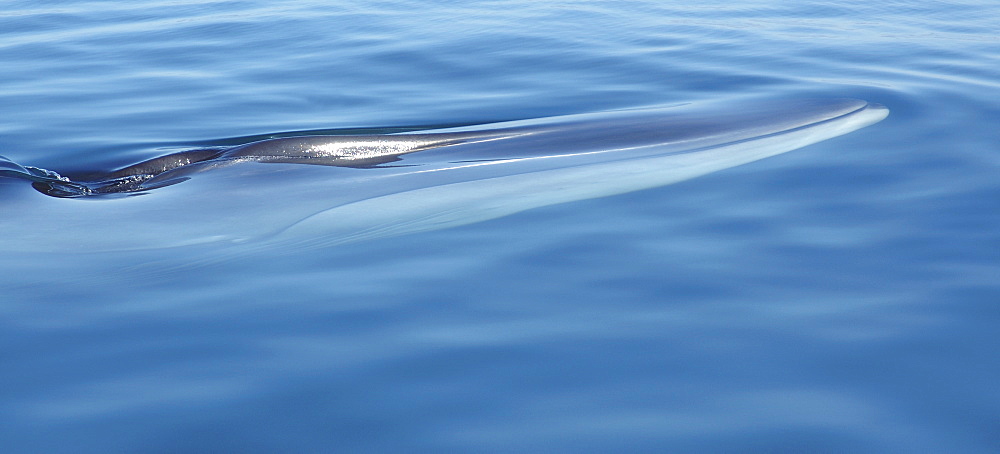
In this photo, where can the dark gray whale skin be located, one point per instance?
(356, 151)
(343, 151)
(367, 186)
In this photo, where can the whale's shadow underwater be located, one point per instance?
(368, 186)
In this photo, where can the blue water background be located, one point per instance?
(839, 298)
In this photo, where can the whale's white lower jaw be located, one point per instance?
(454, 204)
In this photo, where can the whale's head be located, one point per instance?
(335, 189)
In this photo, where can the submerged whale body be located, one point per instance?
(368, 186)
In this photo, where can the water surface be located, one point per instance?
(842, 297)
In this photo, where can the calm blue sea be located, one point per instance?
(840, 298)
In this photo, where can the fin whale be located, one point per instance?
(356, 187)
